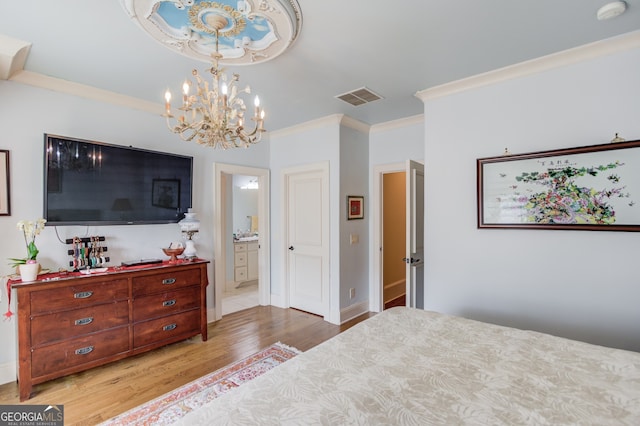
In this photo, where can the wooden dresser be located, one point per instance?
(68, 324)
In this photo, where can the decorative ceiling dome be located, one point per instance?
(250, 31)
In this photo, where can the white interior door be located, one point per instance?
(415, 235)
(307, 241)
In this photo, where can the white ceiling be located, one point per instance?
(394, 48)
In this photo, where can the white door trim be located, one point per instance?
(219, 234)
(324, 168)
(375, 287)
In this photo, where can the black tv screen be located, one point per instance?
(94, 183)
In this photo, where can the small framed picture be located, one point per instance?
(166, 193)
(355, 207)
(5, 199)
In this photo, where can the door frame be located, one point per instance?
(376, 302)
(220, 237)
(323, 167)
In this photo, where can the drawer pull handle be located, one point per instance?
(169, 302)
(169, 327)
(168, 281)
(84, 321)
(84, 351)
(83, 295)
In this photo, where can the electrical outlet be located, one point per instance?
(352, 293)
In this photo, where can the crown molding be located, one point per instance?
(395, 124)
(329, 120)
(84, 91)
(597, 49)
(13, 55)
(354, 124)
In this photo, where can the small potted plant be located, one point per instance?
(28, 267)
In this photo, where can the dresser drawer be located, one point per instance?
(162, 304)
(240, 274)
(240, 259)
(238, 247)
(148, 332)
(167, 281)
(68, 324)
(79, 295)
(72, 353)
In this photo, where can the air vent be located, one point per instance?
(359, 96)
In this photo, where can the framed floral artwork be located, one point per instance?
(355, 207)
(5, 184)
(595, 188)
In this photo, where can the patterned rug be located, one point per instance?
(171, 406)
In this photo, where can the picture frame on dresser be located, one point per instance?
(594, 188)
(5, 184)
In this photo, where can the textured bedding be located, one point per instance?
(413, 367)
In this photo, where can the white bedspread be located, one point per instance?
(412, 367)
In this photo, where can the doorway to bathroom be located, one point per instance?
(241, 241)
(241, 284)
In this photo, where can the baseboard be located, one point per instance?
(277, 300)
(394, 290)
(8, 372)
(211, 315)
(355, 310)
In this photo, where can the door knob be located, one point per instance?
(291, 248)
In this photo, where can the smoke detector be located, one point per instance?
(611, 10)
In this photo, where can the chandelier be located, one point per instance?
(214, 115)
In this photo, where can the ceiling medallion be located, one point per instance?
(255, 31)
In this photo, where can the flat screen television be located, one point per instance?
(95, 183)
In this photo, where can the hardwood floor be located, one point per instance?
(398, 301)
(98, 394)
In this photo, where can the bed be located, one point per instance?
(414, 367)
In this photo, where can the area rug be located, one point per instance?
(171, 406)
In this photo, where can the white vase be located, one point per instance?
(29, 271)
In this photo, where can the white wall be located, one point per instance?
(26, 113)
(345, 148)
(390, 144)
(354, 263)
(577, 284)
(308, 144)
(396, 141)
